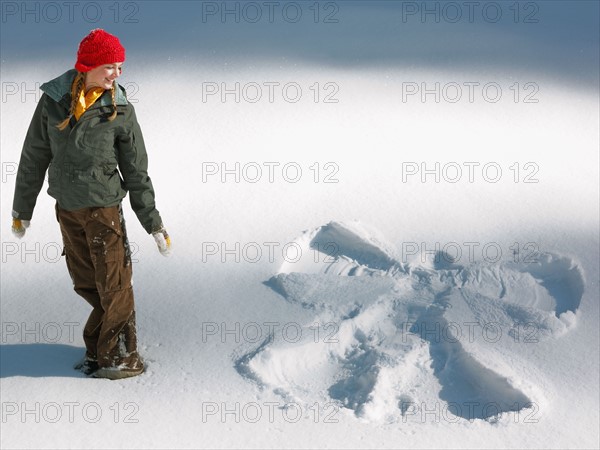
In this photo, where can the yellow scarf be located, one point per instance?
(85, 100)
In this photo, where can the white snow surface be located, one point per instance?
(390, 313)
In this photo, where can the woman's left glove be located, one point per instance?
(163, 241)
(19, 226)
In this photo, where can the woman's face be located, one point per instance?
(103, 76)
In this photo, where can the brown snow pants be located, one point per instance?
(97, 254)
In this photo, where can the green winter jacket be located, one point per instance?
(93, 162)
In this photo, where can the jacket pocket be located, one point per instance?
(99, 133)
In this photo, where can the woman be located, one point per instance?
(85, 133)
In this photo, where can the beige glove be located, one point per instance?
(19, 226)
(162, 241)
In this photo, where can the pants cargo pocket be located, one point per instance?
(108, 249)
(109, 256)
(69, 267)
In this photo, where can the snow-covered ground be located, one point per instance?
(375, 272)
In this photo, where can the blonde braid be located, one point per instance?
(75, 92)
(114, 102)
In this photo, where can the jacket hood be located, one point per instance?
(59, 89)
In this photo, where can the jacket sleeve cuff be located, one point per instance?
(21, 216)
(156, 228)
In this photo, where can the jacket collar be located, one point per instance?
(59, 89)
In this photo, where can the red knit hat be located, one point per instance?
(97, 48)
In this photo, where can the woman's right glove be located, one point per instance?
(163, 241)
(19, 226)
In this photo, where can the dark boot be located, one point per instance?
(87, 366)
